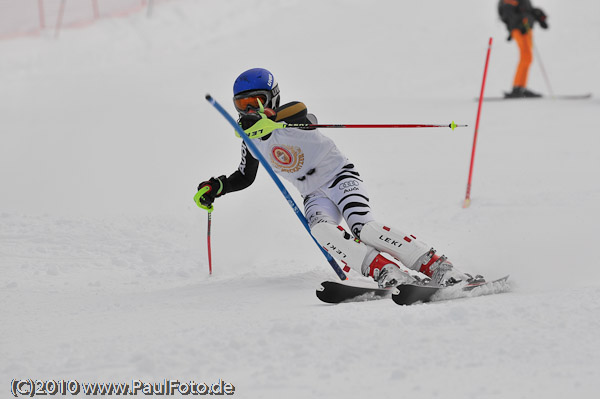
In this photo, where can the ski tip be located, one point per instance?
(208, 97)
(467, 203)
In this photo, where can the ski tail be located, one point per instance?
(334, 292)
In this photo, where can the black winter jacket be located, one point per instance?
(520, 14)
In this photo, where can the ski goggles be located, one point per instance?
(249, 101)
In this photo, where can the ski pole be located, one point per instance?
(544, 74)
(346, 126)
(209, 209)
(280, 185)
(208, 242)
(467, 201)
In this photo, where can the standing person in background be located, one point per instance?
(519, 17)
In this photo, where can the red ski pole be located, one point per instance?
(209, 209)
(208, 240)
(348, 126)
(467, 201)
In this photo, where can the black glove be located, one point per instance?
(248, 120)
(540, 16)
(217, 188)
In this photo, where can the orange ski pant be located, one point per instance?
(525, 43)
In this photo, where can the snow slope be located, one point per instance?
(105, 134)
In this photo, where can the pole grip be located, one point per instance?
(199, 195)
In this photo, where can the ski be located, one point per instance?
(334, 292)
(406, 294)
(557, 97)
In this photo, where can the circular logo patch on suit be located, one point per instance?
(282, 156)
(288, 159)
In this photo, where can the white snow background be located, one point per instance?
(105, 134)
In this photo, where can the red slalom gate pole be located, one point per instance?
(467, 201)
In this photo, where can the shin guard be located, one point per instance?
(344, 247)
(404, 247)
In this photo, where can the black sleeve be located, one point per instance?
(244, 176)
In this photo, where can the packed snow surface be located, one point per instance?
(105, 134)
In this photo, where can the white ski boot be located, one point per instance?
(386, 273)
(442, 272)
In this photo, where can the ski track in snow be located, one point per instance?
(103, 263)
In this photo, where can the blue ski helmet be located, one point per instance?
(256, 83)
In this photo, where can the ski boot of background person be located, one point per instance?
(442, 272)
(521, 92)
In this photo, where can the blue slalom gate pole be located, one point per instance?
(280, 185)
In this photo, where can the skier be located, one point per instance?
(331, 187)
(519, 17)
